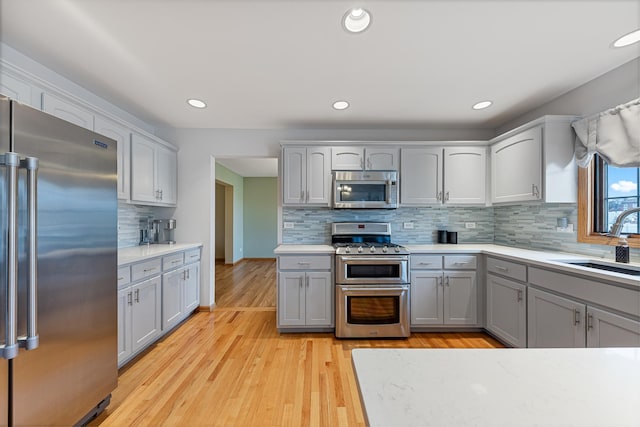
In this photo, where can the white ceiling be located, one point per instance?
(250, 167)
(266, 64)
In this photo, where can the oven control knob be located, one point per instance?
(347, 249)
(397, 249)
(372, 249)
(385, 249)
(360, 250)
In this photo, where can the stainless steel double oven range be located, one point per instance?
(372, 282)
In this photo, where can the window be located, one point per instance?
(616, 190)
(604, 192)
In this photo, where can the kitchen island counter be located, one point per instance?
(499, 387)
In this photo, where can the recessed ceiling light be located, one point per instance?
(356, 20)
(482, 105)
(628, 39)
(196, 103)
(341, 105)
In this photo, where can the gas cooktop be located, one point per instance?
(364, 238)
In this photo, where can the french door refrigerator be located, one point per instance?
(58, 263)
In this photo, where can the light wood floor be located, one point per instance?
(231, 367)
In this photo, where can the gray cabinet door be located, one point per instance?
(507, 310)
(554, 321)
(125, 302)
(291, 299)
(427, 298)
(172, 297)
(192, 288)
(319, 299)
(145, 320)
(460, 298)
(606, 329)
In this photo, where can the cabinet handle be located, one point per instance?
(137, 295)
(369, 163)
(193, 256)
(589, 321)
(146, 270)
(520, 295)
(361, 163)
(497, 267)
(446, 196)
(184, 275)
(175, 261)
(439, 196)
(130, 298)
(157, 194)
(303, 263)
(188, 274)
(307, 281)
(534, 191)
(576, 316)
(120, 278)
(447, 282)
(424, 263)
(442, 281)
(301, 280)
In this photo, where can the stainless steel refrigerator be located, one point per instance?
(58, 263)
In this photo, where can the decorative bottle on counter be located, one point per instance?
(622, 250)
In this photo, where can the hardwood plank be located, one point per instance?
(231, 367)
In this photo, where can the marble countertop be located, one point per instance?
(141, 253)
(499, 387)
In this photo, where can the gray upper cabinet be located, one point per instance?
(122, 135)
(306, 176)
(535, 162)
(68, 111)
(364, 158)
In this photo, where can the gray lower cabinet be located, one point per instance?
(442, 293)
(139, 322)
(507, 310)
(605, 329)
(154, 296)
(555, 321)
(305, 292)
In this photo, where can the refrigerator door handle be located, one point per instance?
(10, 348)
(31, 341)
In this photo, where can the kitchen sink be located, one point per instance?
(607, 267)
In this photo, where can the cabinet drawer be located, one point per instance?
(508, 269)
(192, 256)
(310, 262)
(172, 261)
(145, 269)
(426, 262)
(124, 276)
(465, 262)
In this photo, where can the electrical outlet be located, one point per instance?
(288, 225)
(408, 225)
(469, 225)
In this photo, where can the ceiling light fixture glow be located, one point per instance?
(341, 105)
(482, 105)
(356, 20)
(196, 103)
(628, 39)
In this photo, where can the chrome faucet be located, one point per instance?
(617, 226)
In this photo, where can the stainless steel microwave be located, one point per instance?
(365, 190)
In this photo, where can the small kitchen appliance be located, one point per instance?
(372, 282)
(163, 231)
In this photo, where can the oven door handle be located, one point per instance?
(376, 259)
(358, 290)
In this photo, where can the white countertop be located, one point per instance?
(532, 257)
(140, 253)
(304, 249)
(499, 387)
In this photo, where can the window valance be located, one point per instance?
(613, 134)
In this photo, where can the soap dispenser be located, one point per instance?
(622, 250)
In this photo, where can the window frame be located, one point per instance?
(586, 199)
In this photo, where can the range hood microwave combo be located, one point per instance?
(365, 190)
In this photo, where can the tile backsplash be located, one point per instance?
(527, 226)
(129, 217)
